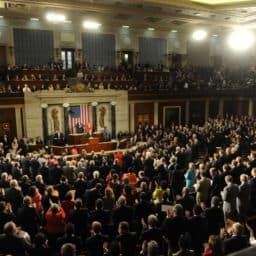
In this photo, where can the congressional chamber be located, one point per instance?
(127, 128)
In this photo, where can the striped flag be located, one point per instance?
(79, 114)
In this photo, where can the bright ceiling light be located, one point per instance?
(151, 29)
(34, 19)
(91, 25)
(55, 17)
(215, 35)
(240, 40)
(125, 26)
(174, 31)
(199, 35)
(1, 17)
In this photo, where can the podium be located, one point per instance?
(78, 138)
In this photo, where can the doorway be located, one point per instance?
(67, 58)
(127, 59)
(171, 115)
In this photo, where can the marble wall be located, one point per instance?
(35, 101)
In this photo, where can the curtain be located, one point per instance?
(33, 47)
(152, 51)
(99, 49)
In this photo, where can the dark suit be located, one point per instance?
(15, 197)
(29, 220)
(79, 218)
(58, 139)
(215, 218)
(79, 128)
(94, 245)
(243, 200)
(235, 243)
(128, 243)
(123, 213)
(173, 228)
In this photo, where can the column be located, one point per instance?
(155, 113)
(113, 118)
(187, 112)
(94, 116)
(221, 107)
(44, 107)
(66, 124)
(206, 110)
(18, 120)
(250, 111)
(131, 117)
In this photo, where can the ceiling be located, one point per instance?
(164, 15)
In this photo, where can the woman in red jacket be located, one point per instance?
(55, 223)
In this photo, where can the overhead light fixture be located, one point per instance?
(199, 35)
(1, 17)
(215, 35)
(125, 26)
(174, 31)
(151, 29)
(91, 25)
(55, 17)
(34, 19)
(240, 40)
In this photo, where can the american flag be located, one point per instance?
(79, 114)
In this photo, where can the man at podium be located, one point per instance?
(79, 128)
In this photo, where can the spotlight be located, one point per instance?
(55, 17)
(240, 40)
(199, 35)
(91, 25)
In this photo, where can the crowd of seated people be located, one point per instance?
(34, 80)
(49, 66)
(165, 197)
(145, 78)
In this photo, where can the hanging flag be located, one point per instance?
(79, 114)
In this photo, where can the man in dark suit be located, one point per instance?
(174, 226)
(28, 218)
(215, 217)
(96, 241)
(79, 217)
(243, 198)
(126, 239)
(122, 212)
(11, 243)
(92, 195)
(100, 215)
(237, 241)
(79, 128)
(14, 195)
(58, 139)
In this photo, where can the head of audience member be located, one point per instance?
(68, 249)
(96, 228)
